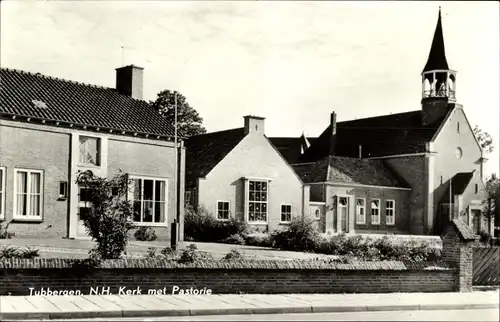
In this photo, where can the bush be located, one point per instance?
(145, 233)
(258, 239)
(200, 225)
(4, 233)
(110, 217)
(233, 255)
(484, 237)
(300, 235)
(15, 252)
(191, 254)
(235, 239)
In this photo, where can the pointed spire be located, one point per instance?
(437, 56)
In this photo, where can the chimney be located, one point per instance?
(254, 124)
(333, 137)
(129, 81)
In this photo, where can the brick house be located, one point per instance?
(51, 128)
(240, 173)
(354, 195)
(434, 150)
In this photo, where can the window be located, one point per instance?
(90, 150)
(2, 192)
(28, 194)
(390, 212)
(63, 190)
(476, 188)
(360, 211)
(458, 153)
(458, 127)
(84, 202)
(375, 212)
(257, 201)
(286, 213)
(223, 210)
(148, 197)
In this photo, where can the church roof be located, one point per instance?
(437, 55)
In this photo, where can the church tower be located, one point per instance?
(438, 81)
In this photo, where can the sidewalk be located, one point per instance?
(95, 306)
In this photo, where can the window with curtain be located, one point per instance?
(28, 194)
(148, 197)
(375, 212)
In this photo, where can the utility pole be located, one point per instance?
(175, 225)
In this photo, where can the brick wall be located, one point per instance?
(228, 277)
(413, 170)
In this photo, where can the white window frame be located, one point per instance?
(228, 210)
(3, 176)
(375, 222)
(15, 216)
(248, 201)
(99, 151)
(393, 209)
(361, 222)
(281, 213)
(130, 197)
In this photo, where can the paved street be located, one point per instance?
(449, 315)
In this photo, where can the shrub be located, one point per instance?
(300, 235)
(145, 233)
(233, 255)
(200, 225)
(29, 253)
(191, 254)
(168, 253)
(235, 239)
(4, 233)
(151, 252)
(110, 217)
(484, 237)
(16, 252)
(258, 239)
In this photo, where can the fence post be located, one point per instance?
(458, 243)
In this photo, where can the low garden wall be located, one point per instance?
(36, 276)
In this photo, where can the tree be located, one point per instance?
(491, 209)
(484, 139)
(110, 217)
(189, 122)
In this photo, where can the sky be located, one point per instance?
(291, 62)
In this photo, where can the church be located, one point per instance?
(407, 173)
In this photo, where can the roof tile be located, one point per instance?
(77, 103)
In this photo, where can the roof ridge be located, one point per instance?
(379, 116)
(216, 132)
(38, 74)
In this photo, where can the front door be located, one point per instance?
(476, 220)
(343, 214)
(84, 208)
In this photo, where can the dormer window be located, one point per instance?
(90, 148)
